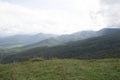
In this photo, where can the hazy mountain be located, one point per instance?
(105, 46)
(106, 31)
(61, 40)
(22, 40)
(41, 40)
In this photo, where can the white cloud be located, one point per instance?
(110, 12)
(49, 16)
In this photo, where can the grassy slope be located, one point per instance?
(107, 69)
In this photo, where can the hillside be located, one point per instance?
(106, 46)
(66, 69)
(50, 40)
(22, 40)
(108, 31)
(82, 35)
(62, 39)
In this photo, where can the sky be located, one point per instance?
(57, 16)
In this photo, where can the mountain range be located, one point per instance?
(22, 40)
(104, 43)
(41, 40)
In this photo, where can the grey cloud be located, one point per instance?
(110, 11)
(110, 2)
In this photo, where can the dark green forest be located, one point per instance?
(106, 46)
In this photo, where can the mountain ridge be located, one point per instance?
(105, 46)
(22, 40)
(82, 35)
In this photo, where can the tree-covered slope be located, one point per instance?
(62, 39)
(107, 46)
(22, 40)
(82, 35)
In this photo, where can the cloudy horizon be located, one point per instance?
(57, 16)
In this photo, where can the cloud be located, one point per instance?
(49, 16)
(110, 2)
(110, 11)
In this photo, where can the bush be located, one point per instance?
(36, 59)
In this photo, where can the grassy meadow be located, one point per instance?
(62, 69)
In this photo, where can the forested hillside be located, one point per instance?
(106, 46)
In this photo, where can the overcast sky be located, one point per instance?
(57, 16)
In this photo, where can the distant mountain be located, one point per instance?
(104, 46)
(107, 31)
(42, 40)
(22, 40)
(61, 40)
(78, 36)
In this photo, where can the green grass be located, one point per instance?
(65, 69)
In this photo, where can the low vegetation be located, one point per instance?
(65, 69)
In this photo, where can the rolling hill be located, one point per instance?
(82, 35)
(104, 46)
(22, 40)
(61, 40)
(42, 40)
